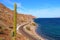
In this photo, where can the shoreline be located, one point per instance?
(33, 32)
(39, 36)
(44, 36)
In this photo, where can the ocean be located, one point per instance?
(48, 28)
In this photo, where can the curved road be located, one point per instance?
(20, 30)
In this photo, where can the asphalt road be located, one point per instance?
(26, 34)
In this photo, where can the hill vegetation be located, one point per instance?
(6, 22)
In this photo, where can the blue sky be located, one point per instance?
(38, 8)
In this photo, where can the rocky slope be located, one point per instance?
(6, 22)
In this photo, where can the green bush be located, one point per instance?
(33, 24)
(2, 29)
(28, 28)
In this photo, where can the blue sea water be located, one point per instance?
(48, 28)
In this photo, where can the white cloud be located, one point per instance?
(19, 5)
(8, 1)
(12, 3)
(51, 12)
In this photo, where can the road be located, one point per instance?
(20, 30)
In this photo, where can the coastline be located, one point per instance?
(33, 32)
(37, 35)
(43, 36)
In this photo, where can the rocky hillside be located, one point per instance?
(6, 22)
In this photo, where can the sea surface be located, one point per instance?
(48, 28)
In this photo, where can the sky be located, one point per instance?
(37, 8)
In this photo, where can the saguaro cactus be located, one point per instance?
(15, 22)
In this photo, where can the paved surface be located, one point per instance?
(20, 30)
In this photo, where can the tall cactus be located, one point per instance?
(15, 22)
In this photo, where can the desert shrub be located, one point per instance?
(33, 24)
(2, 29)
(28, 28)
